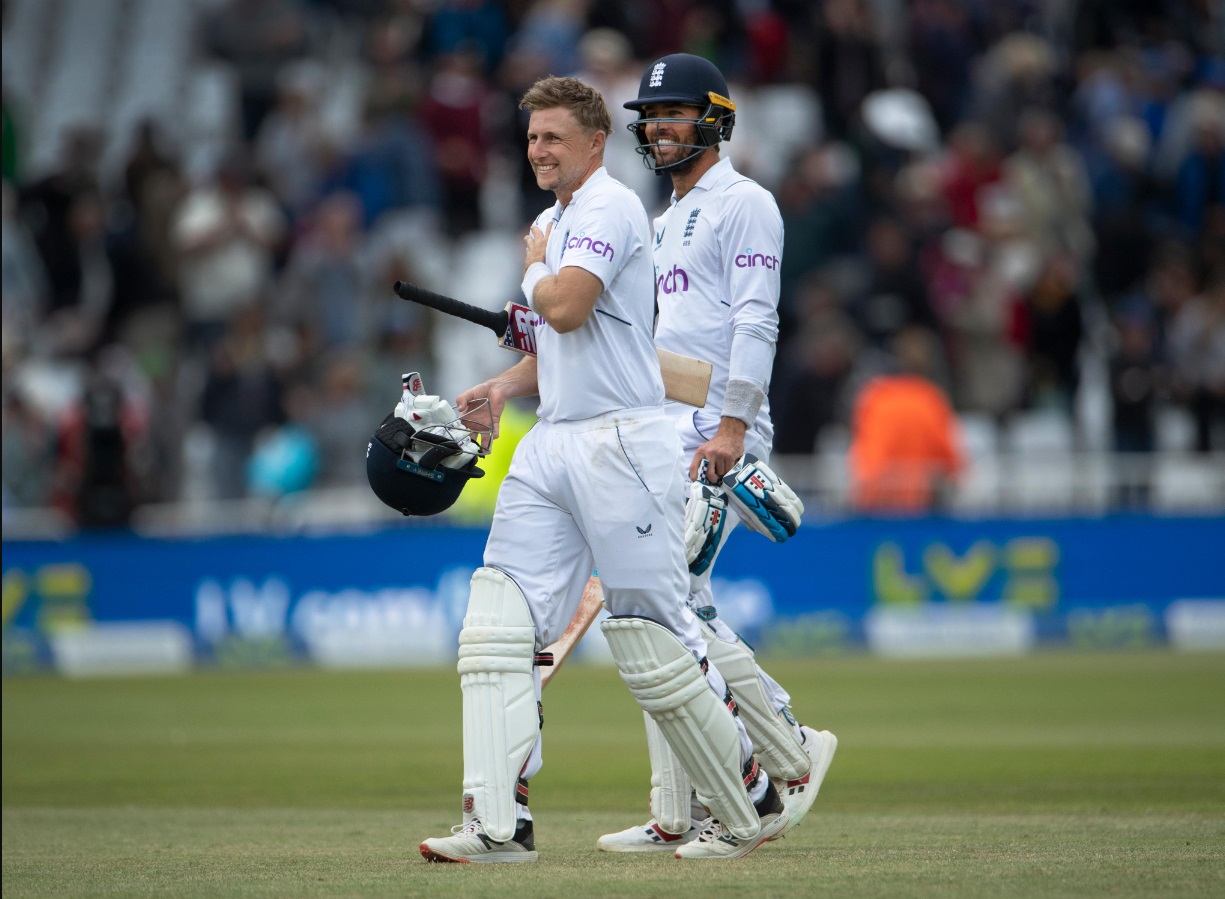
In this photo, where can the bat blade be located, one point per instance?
(686, 380)
(587, 612)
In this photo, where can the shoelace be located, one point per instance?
(473, 826)
(712, 829)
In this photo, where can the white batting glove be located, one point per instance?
(434, 415)
(764, 503)
(705, 512)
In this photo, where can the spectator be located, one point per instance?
(896, 297)
(227, 232)
(454, 113)
(292, 147)
(257, 37)
(849, 62)
(1125, 207)
(807, 393)
(325, 290)
(1135, 387)
(1055, 331)
(242, 396)
(905, 446)
(1048, 178)
(29, 441)
(1200, 181)
(1196, 342)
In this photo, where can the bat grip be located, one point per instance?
(495, 321)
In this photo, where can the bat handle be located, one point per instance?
(495, 321)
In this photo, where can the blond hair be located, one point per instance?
(585, 103)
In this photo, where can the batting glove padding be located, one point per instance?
(705, 513)
(764, 503)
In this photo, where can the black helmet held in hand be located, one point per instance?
(407, 471)
(690, 80)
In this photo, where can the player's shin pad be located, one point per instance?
(764, 503)
(501, 717)
(773, 740)
(668, 684)
(670, 787)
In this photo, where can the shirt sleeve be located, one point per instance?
(602, 236)
(752, 247)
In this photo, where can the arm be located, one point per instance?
(564, 300)
(751, 218)
(518, 380)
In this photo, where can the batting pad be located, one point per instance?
(501, 717)
(669, 685)
(773, 740)
(670, 787)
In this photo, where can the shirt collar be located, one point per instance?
(598, 175)
(712, 176)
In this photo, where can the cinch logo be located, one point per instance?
(675, 281)
(596, 246)
(749, 259)
(657, 74)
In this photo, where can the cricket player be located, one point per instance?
(595, 482)
(717, 251)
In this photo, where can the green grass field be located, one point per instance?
(1051, 775)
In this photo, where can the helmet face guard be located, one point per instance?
(688, 80)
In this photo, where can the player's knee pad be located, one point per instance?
(501, 710)
(670, 786)
(669, 685)
(773, 739)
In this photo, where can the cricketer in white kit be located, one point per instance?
(717, 252)
(594, 483)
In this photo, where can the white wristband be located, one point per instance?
(536, 272)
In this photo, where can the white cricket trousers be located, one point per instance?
(603, 493)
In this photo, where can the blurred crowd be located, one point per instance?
(1021, 182)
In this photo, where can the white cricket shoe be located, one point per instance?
(716, 841)
(649, 837)
(799, 795)
(470, 843)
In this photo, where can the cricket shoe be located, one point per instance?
(799, 795)
(470, 843)
(716, 841)
(649, 837)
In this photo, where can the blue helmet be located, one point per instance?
(693, 81)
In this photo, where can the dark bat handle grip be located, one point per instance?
(495, 321)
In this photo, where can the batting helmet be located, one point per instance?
(415, 471)
(693, 81)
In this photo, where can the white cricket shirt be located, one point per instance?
(717, 255)
(608, 363)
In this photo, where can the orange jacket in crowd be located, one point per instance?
(905, 444)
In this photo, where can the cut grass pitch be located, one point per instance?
(1050, 775)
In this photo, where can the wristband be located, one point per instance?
(536, 272)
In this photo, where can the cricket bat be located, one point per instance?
(588, 610)
(686, 380)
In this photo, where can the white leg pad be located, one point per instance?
(773, 740)
(501, 715)
(669, 685)
(670, 787)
